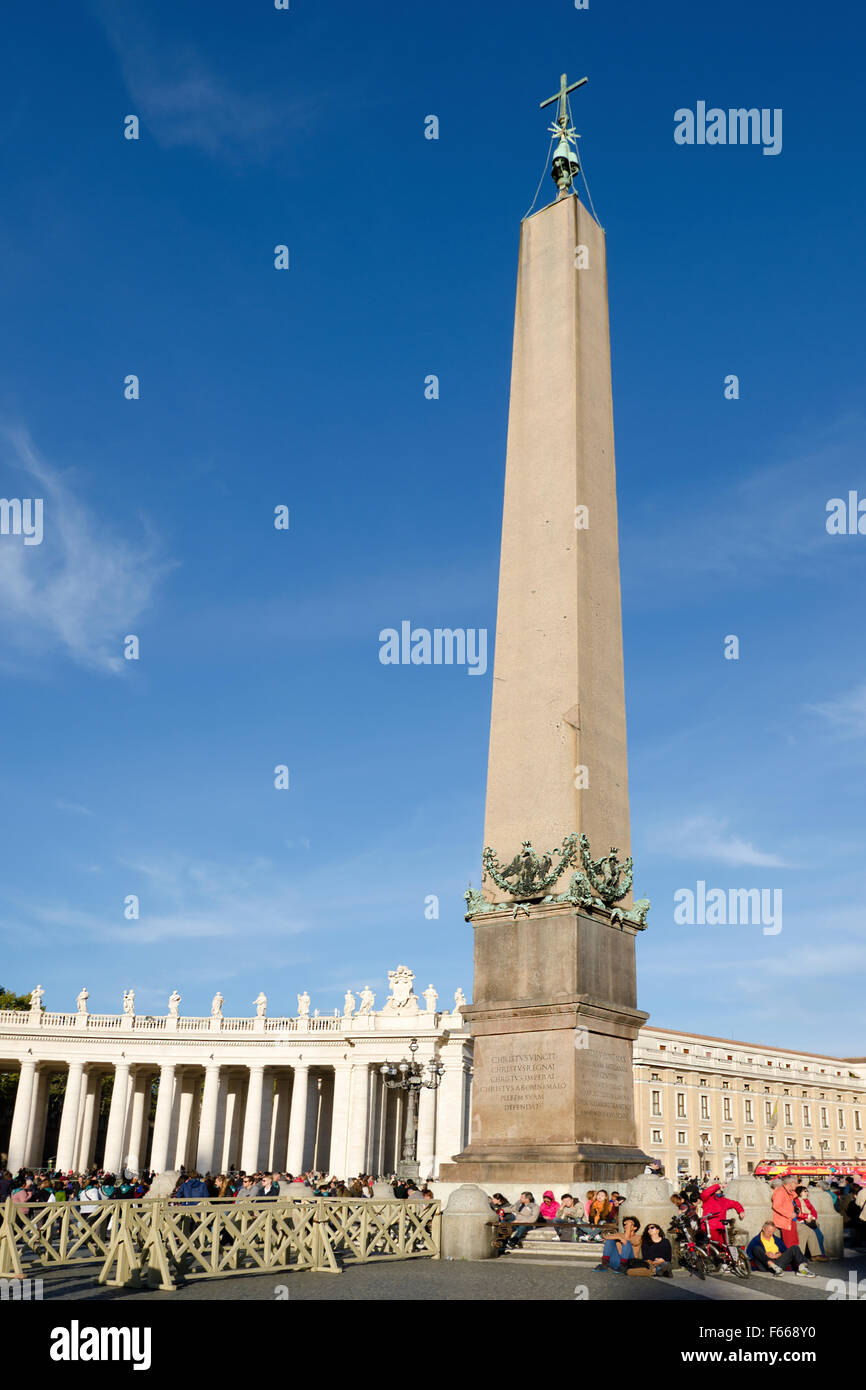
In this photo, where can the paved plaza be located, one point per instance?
(481, 1280)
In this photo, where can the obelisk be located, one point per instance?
(554, 1010)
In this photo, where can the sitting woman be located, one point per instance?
(620, 1250)
(600, 1209)
(655, 1250)
(549, 1207)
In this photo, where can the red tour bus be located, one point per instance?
(785, 1168)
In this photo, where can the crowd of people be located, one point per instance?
(28, 1187)
(791, 1236)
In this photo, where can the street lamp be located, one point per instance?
(702, 1150)
(409, 1077)
(738, 1139)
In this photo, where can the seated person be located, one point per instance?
(618, 1250)
(600, 1210)
(570, 1219)
(549, 1207)
(768, 1253)
(525, 1213)
(655, 1249)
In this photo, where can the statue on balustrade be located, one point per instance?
(129, 1003)
(368, 999)
(36, 999)
(173, 1003)
(349, 1004)
(304, 1005)
(430, 999)
(261, 1003)
(81, 1001)
(216, 1008)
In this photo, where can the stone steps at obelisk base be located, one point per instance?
(543, 1241)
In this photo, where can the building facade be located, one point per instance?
(711, 1105)
(292, 1094)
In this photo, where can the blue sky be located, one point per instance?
(306, 388)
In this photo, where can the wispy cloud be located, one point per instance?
(703, 838)
(74, 807)
(183, 102)
(847, 714)
(84, 587)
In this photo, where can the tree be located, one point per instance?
(10, 1000)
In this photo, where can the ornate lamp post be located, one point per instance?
(738, 1139)
(409, 1077)
(703, 1150)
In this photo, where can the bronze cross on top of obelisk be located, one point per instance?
(560, 96)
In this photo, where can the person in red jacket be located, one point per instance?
(715, 1207)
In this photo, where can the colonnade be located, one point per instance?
(213, 1116)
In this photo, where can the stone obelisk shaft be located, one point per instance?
(558, 692)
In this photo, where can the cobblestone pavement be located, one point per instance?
(484, 1280)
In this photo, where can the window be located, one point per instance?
(679, 1081)
(788, 1120)
(807, 1116)
(824, 1121)
(681, 1105)
(728, 1140)
(808, 1143)
(857, 1124)
(656, 1106)
(841, 1114)
(705, 1107)
(654, 1076)
(750, 1141)
(681, 1136)
(726, 1085)
(768, 1110)
(657, 1136)
(750, 1118)
(703, 1081)
(842, 1145)
(726, 1106)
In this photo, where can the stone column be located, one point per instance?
(112, 1160)
(140, 1108)
(426, 1131)
(253, 1119)
(69, 1118)
(206, 1155)
(298, 1121)
(21, 1115)
(162, 1119)
(451, 1108)
(280, 1123)
(340, 1121)
(234, 1115)
(38, 1117)
(89, 1121)
(187, 1088)
(359, 1110)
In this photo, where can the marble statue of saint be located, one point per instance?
(129, 1002)
(173, 1003)
(261, 1003)
(349, 1004)
(216, 1008)
(459, 999)
(368, 999)
(36, 999)
(304, 1005)
(81, 1001)
(430, 998)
